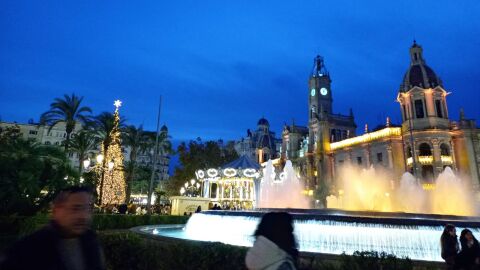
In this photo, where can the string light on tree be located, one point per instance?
(113, 189)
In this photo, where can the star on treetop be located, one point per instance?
(117, 103)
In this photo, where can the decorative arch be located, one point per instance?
(424, 149)
(444, 149)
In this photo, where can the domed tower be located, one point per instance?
(421, 95)
(264, 141)
(164, 129)
(425, 122)
(263, 125)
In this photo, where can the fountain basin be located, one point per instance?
(416, 236)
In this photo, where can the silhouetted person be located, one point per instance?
(449, 245)
(469, 257)
(275, 246)
(67, 242)
(122, 209)
(199, 209)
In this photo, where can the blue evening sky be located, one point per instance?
(221, 65)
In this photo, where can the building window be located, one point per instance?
(444, 150)
(438, 108)
(33, 132)
(425, 149)
(359, 160)
(419, 112)
(379, 157)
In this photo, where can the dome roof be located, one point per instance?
(419, 74)
(164, 128)
(263, 121)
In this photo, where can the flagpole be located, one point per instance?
(154, 160)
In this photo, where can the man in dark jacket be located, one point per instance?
(67, 243)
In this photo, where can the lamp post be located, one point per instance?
(100, 161)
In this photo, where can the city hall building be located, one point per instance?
(424, 144)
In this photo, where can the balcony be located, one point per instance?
(428, 160)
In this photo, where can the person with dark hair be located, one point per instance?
(275, 247)
(199, 209)
(122, 209)
(449, 245)
(469, 257)
(67, 242)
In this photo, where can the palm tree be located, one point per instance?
(31, 174)
(136, 139)
(83, 143)
(67, 110)
(103, 125)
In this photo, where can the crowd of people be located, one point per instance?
(460, 256)
(135, 209)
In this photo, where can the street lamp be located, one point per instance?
(110, 165)
(86, 163)
(100, 161)
(190, 188)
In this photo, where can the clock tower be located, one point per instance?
(320, 96)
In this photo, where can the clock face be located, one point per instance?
(312, 92)
(323, 91)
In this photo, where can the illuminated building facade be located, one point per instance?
(426, 142)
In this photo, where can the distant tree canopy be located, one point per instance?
(199, 155)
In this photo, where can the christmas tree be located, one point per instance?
(111, 187)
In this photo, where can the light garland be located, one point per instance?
(229, 172)
(250, 173)
(200, 174)
(212, 173)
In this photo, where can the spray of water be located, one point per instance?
(282, 192)
(375, 190)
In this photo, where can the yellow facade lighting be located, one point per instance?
(368, 137)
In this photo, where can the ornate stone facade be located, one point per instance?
(426, 142)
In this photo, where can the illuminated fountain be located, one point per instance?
(285, 192)
(382, 215)
(327, 231)
(370, 190)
